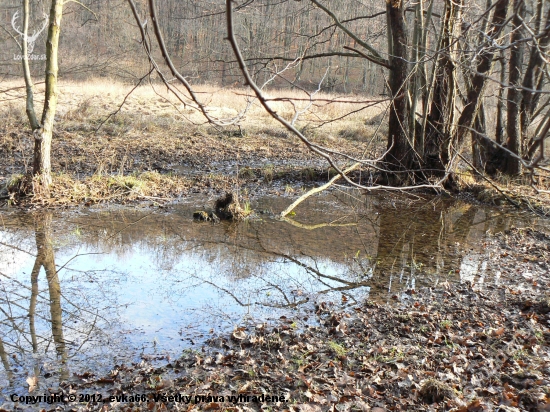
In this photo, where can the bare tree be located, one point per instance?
(43, 129)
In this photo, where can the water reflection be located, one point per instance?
(132, 283)
(44, 322)
(45, 259)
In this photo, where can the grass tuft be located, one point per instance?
(434, 391)
(338, 349)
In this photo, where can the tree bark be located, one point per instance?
(441, 118)
(513, 127)
(531, 85)
(499, 128)
(29, 86)
(43, 135)
(475, 93)
(399, 155)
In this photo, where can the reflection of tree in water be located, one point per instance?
(373, 237)
(432, 241)
(36, 320)
(364, 247)
(45, 258)
(6, 363)
(12, 300)
(267, 263)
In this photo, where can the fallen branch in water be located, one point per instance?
(317, 190)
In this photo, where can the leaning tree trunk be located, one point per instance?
(29, 86)
(475, 92)
(399, 154)
(43, 135)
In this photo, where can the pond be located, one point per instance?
(93, 288)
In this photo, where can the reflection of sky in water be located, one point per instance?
(132, 301)
(160, 303)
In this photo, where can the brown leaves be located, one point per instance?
(474, 406)
(498, 332)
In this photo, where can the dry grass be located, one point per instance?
(152, 112)
(229, 207)
(433, 391)
(94, 100)
(503, 190)
(153, 131)
(65, 190)
(97, 154)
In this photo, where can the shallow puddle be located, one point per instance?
(91, 289)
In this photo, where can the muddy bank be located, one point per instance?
(151, 149)
(122, 163)
(101, 169)
(456, 346)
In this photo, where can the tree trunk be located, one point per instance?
(399, 155)
(43, 135)
(531, 81)
(441, 117)
(511, 164)
(475, 93)
(29, 86)
(499, 128)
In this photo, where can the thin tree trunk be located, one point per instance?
(499, 128)
(43, 135)
(29, 86)
(513, 127)
(415, 84)
(480, 150)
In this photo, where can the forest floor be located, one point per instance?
(110, 147)
(456, 347)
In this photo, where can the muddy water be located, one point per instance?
(86, 290)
